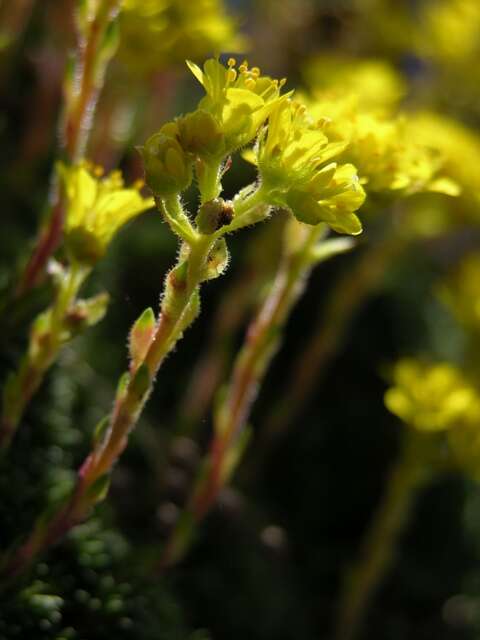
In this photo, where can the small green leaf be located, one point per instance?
(217, 261)
(86, 313)
(100, 430)
(329, 248)
(122, 385)
(141, 381)
(141, 337)
(99, 489)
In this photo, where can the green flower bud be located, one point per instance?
(200, 134)
(168, 170)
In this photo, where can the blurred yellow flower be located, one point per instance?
(460, 149)
(387, 156)
(432, 397)
(158, 33)
(449, 30)
(96, 208)
(374, 83)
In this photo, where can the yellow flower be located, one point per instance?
(374, 83)
(450, 30)
(387, 156)
(239, 100)
(293, 158)
(158, 33)
(96, 207)
(432, 397)
(459, 147)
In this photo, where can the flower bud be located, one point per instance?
(200, 134)
(168, 170)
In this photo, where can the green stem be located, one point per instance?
(46, 340)
(377, 553)
(249, 371)
(179, 307)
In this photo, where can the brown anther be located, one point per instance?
(226, 215)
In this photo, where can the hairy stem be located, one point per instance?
(46, 340)
(257, 269)
(249, 370)
(179, 308)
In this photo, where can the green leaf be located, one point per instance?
(99, 489)
(141, 381)
(100, 430)
(332, 247)
(141, 337)
(86, 313)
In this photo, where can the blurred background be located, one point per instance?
(268, 562)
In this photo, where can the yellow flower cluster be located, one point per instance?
(359, 100)
(439, 398)
(375, 84)
(461, 292)
(96, 207)
(387, 157)
(459, 147)
(431, 397)
(294, 161)
(159, 33)
(293, 152)
(450, 30)
(236, 105)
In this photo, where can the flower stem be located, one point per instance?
(249, 370)
(258, 268)
(177, 312)
(377, 553)
(332, 325)
(88, 80)
(46, 340)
